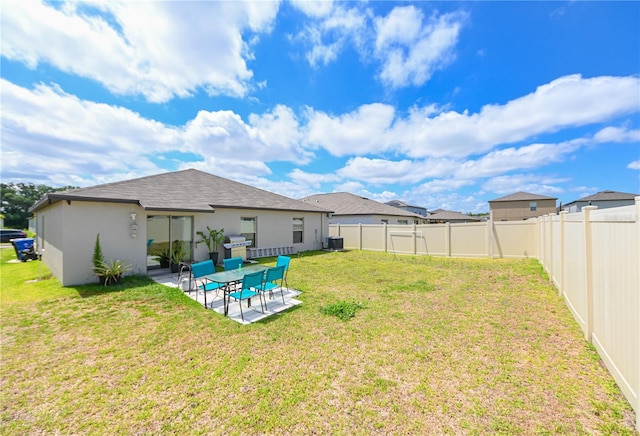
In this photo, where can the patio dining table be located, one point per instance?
(226, 279)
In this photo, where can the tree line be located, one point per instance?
(17, 198)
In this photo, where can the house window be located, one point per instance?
(403, 221)
(298, 230)
(533, 206)
(249, 229)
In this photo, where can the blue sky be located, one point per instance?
(439, 104)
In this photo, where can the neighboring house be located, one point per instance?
(602, 199)
(521, 206)
(138, 218)
(352, 209)
(449, 216)
(409, 208)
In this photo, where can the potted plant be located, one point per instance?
(212, 238)
(163, 255)
(177, 256)
(110, 272)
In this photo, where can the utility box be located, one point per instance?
(335, 243)
(235, 246)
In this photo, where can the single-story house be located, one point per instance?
(353, 209)
(139, 219)
(521, 206)
(449, 216)
(602, 199)
(408, 207)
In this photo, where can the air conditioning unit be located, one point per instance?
(335, 243)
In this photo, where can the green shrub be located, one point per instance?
(342, 309)
(97, 255)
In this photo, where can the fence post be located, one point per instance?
(385, 245)
(588, 268)
(447, 229)
(415, 244)
(637, 346)
(551, 269)
(561, 239)
(541, 236)
(491, 235)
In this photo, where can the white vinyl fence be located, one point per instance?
(592, 257)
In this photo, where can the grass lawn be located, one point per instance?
(436, 346)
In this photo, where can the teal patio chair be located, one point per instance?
(201, 269)
(251, 286)
(232, 263)
(284, 261)
(273, 280)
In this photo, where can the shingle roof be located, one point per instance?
(344, 203)
(187, 190)
(609, 196)
(400, 203)
(523, 196)
(447, 215)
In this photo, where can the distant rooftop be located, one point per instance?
(449, 215)
(344, 203)
(523, 196)
(608, 196)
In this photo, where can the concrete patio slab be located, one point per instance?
(215, 302)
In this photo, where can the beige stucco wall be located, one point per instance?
(67, 233)
(275, 228)
(69, 236)
(519, 210)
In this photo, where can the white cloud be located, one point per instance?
(408, 46)
(566, 102)
(272, 136)
(155, 49)
(617, 134)
(360, 132)
(74, 136)
(314, 180)
(635, 165)
(510, 159)
(314, 8)
(412, 48)
(93, 141)
(381, 171)
(333, 28)
(539, 184)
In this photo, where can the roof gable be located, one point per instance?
(187, 190)
(523, 196)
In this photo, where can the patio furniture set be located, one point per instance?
(238, 282)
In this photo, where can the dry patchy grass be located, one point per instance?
(442, 346)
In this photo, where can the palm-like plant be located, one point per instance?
(111, 270)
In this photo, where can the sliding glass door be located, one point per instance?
(169, 239)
